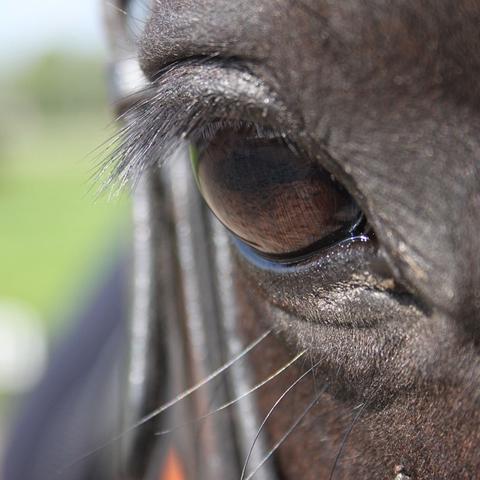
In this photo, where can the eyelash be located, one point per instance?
(173, 109)
(145, 141)
(147, 138)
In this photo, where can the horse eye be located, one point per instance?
(270, 197)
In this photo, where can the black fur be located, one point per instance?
(385, 94)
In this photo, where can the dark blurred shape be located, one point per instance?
(74, 406)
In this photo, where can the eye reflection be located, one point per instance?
(279, 203)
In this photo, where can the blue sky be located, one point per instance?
(29, 27)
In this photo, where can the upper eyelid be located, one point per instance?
(183, 96)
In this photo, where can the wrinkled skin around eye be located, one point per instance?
(270, 197)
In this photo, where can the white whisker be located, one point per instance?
(361, 409)
(117, 8)
(172, 402)
(286, 434)
(237, 399)
(267, 416)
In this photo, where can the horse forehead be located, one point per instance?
(319, 50)
(389, 86)
(361, 35)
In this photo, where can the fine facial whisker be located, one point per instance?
(125, 13)
(237, 399)
(272, 409)
(286, 435)
(312, 360)
(117, 8)
(361, 409)
(155, 413)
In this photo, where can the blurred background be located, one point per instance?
(57, 236)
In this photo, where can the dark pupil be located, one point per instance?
(268, 196)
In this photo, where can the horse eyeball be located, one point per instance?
(274, 200)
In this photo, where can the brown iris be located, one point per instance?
(270, 197)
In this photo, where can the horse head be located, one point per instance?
(307, 203)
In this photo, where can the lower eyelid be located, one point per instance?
(297, 261)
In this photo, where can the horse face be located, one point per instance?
(383, 96)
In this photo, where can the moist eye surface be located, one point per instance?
(272, 198)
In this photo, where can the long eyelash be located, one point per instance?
(153, 129)
(173, 108)
(149, 136)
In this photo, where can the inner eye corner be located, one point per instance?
(270, 195)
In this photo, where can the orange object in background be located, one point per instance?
(173, 469)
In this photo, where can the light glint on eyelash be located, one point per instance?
(155, 127)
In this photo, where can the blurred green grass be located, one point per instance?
(54, 229)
